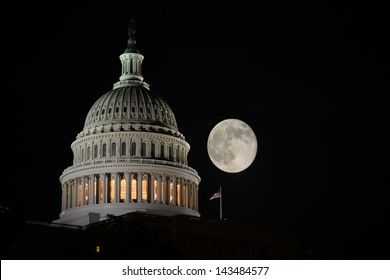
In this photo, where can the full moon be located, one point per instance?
(232, 145)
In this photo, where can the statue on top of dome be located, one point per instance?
(131, 43)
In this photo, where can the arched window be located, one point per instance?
(134, 189)
(95, 191)
(178, 154)
(101, 190)
(145, 189)
(112, 190)
(133, 149)
(123, 149)
(82, 154)
(95, 151)
(78, 194)
(170, 192)
(162, 152)
(178, 192)
(88, 153)
(143, 149)
(86, 193)
(104, 152)
(123, 190)
(155, 190)
(170, 153)
(153, 152)
(113, 149)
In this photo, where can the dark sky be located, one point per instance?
(311, 81)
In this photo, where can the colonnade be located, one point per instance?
(129, 187)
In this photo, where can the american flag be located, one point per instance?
(215, 195)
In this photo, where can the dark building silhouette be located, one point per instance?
(144, 236)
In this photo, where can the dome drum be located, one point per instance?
(130, 155)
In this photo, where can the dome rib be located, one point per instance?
(136, 100)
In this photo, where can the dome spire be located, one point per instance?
(131, 43)
(131, 61)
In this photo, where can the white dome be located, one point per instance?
(130, 155)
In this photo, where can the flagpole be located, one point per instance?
(220, 203)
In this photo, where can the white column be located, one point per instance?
(159, 186)
(164, 190)
(128, 194)
(82, 202)
(74, 193)
(151, 188)
(91, 184)
(183, 201)
(139, 187)
(174, 190)
(117, 188)
(69, 194)
(63, 188)
(196, 198)
(105, 192)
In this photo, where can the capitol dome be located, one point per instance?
(130, 155)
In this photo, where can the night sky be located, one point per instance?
(310, 81)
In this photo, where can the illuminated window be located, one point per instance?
(123, 190)
(178, 195)
(101, 190)
(112, 190)
(144, 189)
(133, 148)
(155, 189)
(104, 152)
(95, 191)
(97, 249)
(170, 193)
(123, 150)
(86, 193)
(134, 189)
(113, 149)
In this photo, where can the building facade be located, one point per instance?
(130, 155)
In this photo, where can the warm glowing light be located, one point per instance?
(170, 192)
(86, 192)
(178, 195)
(97, 249)
(144, 189)
(134, 189)
(155, 189)
(123, 190)
(101, 191)
(94, 189)
(112, 190)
